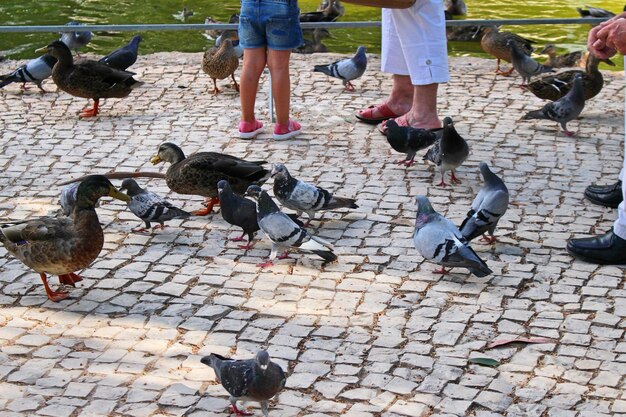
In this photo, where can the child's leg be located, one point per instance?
(253, 64)
(278, 63)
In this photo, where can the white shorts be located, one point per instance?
(414, 42)
(620, 224)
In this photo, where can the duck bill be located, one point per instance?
(118, 195)
(155, 159)
(42, 50)
(608, 62)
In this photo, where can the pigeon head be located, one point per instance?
(136, 39)
(254, 191)
(360, 58)
(487, 174)
(280, 171)
(168, 152)
(131, 187)
(447, 121)
(262, 359)
(423, 205)
(222, 185)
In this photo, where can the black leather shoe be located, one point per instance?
(605, 195)
(607, 249)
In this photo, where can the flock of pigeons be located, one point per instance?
(435, 237)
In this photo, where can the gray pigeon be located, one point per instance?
(76, 40)
(257, 379)
(564, 109)
(449, 152)
(488, 207)
(283, 232)
(123, 57)
(150, 207)
(303, 197)
(34, 71)
(240, 211)
(67, 199)
(346, 69)
(409, 140)
(439, 240)
(524, 64)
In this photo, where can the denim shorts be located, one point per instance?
(274, 24)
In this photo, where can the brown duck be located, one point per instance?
(62, 245)
(495, 42)
(87, 78)
(199, 173)
(220, 63)
(572, 59)
(553, 87)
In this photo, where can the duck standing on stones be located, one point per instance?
(488, 207)
(62, 245)
(553, 87)
(346, 69)
(34, 71)
(199, 173)
(88, 79)
(440, 241)
(495, 42)
(564, 109)
(304, 197)
(123, 57)
(76, 40)
(221, 62)
(449, 152)
(149, 206)
(257, 379)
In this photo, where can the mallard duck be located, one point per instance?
(571, 59)
(326, 12)
(62, 245)
(88, 79)
(494, 43)
(456, 7)
(315, 45)
(220, 63)
(233, 35)
(199, 173)
(595, 12)
(554, 87)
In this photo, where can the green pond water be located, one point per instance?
(56, 12)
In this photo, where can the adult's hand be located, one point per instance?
(609, 37)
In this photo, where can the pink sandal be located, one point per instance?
(282, 132)
(250, 130)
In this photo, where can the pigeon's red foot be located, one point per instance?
(285, 255)
(441, 271)
(454, 179)
(489, 239)
(265, 264)
(250, 245)
(238, 412)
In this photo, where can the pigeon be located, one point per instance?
(564, 109)
(409, 140)
(449, 152)
(67, 199)
(150, 207)
(182, 15)
(303, 197)
(524, 64)
(257, 379)
(439, 240)
(283, 232)
(488, 207)
(456, 7)
(76, 40)
(240, 211)
(346, 69)
(123, 57)
(34, 71)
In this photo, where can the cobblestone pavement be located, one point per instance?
(376, 334)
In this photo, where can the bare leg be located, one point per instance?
(253, 64)
(278, 63)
